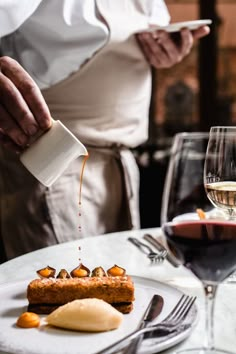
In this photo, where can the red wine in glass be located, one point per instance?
(206, 247)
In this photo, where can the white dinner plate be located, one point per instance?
(49, 340)
(177, 26)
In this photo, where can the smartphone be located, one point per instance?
(177, 26)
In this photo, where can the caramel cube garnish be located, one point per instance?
(116, 271)
(98, 272)
(80, 272)
(47, 272)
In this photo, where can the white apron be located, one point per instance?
(106, 105)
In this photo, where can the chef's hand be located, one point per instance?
(163, 50)
(23, 110)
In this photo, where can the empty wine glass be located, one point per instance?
(207, 247)
(220, 170)
(184, 191)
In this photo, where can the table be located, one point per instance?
(107, 250)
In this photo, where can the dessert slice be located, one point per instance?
(46, 294)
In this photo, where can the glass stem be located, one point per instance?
(210, 293)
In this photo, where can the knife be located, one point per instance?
(153, 310)
(154, 242)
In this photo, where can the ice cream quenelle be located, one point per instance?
(90, 314)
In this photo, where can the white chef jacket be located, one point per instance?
(52, 39)
(36, 33)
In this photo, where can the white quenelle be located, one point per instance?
(92, 315)
(51, 153)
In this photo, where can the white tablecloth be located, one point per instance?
(110, 249)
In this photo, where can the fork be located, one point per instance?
(159, 246)
(146, 249)
(171, 323)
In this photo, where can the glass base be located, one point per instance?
(203, 351)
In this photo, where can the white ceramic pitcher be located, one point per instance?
(51, 153)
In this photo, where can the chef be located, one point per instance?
(85, 63)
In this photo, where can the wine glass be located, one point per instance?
(204, 246)
(220, 170)
(184, 191)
